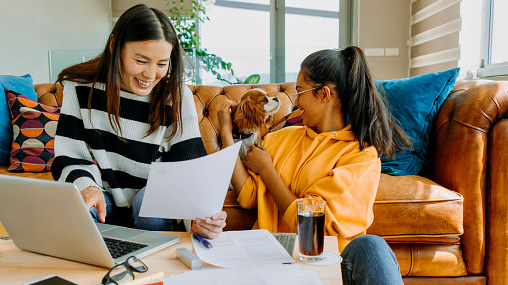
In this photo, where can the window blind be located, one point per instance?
(434, 35)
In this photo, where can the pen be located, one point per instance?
(202, 240)
(146, 279)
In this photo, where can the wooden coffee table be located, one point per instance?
(19, 266)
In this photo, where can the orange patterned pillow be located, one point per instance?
(293, 119)
(34, 129)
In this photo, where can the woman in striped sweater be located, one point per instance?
(124, 110)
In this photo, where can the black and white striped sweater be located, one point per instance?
(121, 166)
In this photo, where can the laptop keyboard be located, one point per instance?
(287, 240)
(119, 248)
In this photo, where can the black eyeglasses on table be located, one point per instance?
(124, 272)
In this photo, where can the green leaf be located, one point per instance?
(253, 79)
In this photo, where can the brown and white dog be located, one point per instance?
(252, 115)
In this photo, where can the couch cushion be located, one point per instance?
(429, 259)
(414, 102)
(49, 94)
(409, 206)
(22, 84)
(34, 128)
(407, 209)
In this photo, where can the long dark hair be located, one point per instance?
(347, 72)
(138, 23)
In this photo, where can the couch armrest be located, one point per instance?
(463, 130)
(497, 201)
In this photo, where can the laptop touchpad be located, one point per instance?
(120, 233)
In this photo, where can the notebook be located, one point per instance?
(51, 218)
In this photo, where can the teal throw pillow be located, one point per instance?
(414, 102)
(21, 84)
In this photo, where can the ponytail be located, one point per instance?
(347, 71)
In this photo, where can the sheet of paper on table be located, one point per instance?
(258, 274)
(234, 249)
(189, 189)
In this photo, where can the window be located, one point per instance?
(238, 32)
(310, 26)
(494, 49)
(270, 37)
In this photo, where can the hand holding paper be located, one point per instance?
(189, 189)
(211, 227)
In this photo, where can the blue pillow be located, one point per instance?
(21, 84)
(414, 102)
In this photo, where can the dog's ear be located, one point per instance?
(248, 115)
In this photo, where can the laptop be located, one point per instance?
(51, 218)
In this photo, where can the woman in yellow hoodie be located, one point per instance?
(334, 156)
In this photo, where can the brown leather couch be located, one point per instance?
(446, 227)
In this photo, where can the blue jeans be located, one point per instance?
(368, 259)
(115, 214)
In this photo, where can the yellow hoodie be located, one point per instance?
(327, 165)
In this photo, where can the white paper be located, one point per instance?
(189, 189)
(233, 249)
(261, 274)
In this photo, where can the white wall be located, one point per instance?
(384, 24)
(29, 28)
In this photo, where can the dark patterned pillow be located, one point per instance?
(293, 119)
(33, 128)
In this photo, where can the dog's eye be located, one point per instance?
(264, 99)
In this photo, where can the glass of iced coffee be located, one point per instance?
(311, 229)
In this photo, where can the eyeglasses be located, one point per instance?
(124, 272)
(298, 94)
